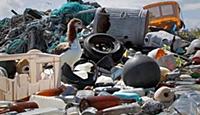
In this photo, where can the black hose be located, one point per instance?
(14, 12)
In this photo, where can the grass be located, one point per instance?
(190, 34)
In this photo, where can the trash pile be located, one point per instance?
(101, 61)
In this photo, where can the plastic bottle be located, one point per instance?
(121, 109)
(102, 102)
(108, 89)
(47, 92)
(187, 104)
(127, 95)
(139, 91)
(83, 94)
(116, 72)
(45, 101)
(90, 111)
(73, 111)
(51, 92)
(19, 107)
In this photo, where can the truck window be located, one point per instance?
(154, 12)
(167, 10)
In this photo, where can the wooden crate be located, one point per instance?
(24, 85)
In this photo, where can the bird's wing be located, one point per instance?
(62, 47)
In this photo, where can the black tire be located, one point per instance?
(99, 45)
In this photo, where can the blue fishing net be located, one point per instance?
(73, 8)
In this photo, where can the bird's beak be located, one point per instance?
(84, 27)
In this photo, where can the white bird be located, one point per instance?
(71, 51)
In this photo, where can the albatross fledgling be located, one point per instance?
(70, 51)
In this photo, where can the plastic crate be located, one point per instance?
(24, 85)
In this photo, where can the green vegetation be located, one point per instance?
(191, 34)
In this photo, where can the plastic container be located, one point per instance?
(90, 111)
(193, 46)
(187, 104)
(102, 102)
(196, 57)
(19, 107)
(161, 38)
(44, 102)
(83, 94)
(139, 91)
(121, 109)
(123, 95)
(127, 25)
(24, 85)
(43, 111)
(164, 95)
(116, 72)
(73, 111)
(108, 89)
